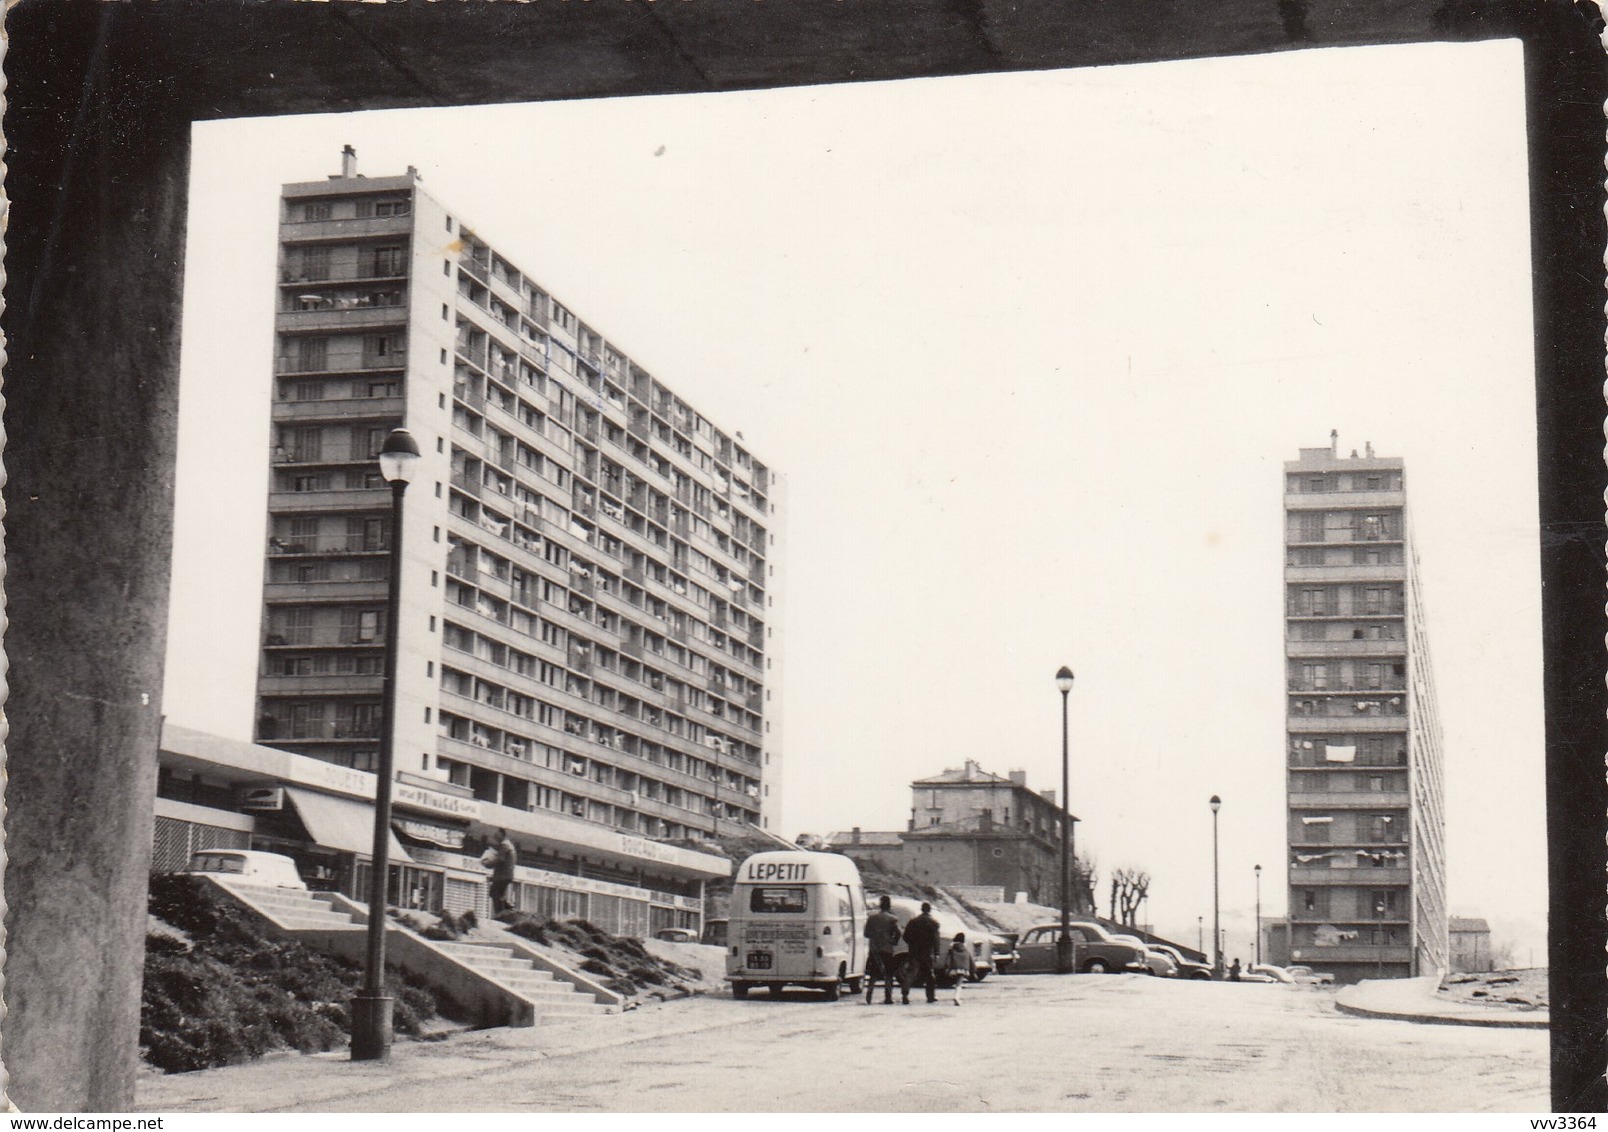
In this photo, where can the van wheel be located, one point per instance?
(776, 990)
(1096, 967)
(739, 990)
(979, 976)
(831, 990)
(854, 985)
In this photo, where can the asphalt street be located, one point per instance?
(1027, 1043)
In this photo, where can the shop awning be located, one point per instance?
(340, 823)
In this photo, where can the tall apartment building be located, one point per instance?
(588, 562)
(1367, 873)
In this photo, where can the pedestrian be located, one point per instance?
(921, 936)
(958, 963)
(502, 873)
(1234, 971)
(882, 930)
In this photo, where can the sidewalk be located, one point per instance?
(1415, 1000)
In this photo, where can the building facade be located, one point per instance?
(1367, 880)
(970, 828)
(589, 565)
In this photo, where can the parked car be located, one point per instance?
(248, 866)
(1274, 974)
(1304, 974)
(980, 940)
(714, 933)
(1093, 951)
(1187, 968)
(1159, 962)
(1004, 951)
(676, 935)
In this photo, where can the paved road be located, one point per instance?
(1113, 1043)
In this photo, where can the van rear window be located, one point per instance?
(778, 900)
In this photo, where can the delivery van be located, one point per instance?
(795, 920)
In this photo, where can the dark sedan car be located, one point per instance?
(1093, 951)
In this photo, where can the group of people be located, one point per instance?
(921, 937)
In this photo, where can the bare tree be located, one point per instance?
(1129, 887)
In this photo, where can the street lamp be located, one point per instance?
(1258, 871)
(371, 1007)
(1063, 945)
(1217, 917)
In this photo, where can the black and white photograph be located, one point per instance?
(554, 569)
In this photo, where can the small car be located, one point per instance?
(1274, 974)
(1304, 974)
(1187, 968)
(1160, 963)
(676, 935)
(248, 866)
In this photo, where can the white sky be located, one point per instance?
(1030, 350)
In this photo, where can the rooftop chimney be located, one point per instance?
(1018, 778)
(1368, 448)
(348, 162)
(1334, 443)
(1048, 796)
(854, 836)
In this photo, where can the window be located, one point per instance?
(312, 353)
(778, 900)
(316, 210)
(387, 260)
(315, 263)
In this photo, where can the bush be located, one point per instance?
(236, 993)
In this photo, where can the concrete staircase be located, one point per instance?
(519, 974)
(502, 984)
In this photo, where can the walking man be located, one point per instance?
(882, 930)
(921, 936)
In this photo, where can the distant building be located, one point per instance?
(1471, 945)
(1367, 872)
(970, 828)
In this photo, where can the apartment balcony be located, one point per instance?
(350, 685)
(321, 636)
(1344, 500)
(344, 500)
(325, 231)
(324, 591)
(466, 485)
(1362, 572)
(344, 363)
(1321, 957)
(1344, 716)
(279, 547)
(1383, 649)
(1348, 800)
(1389, 688)
(273, 728)
(1350, 878)
(341, 409)
(348, 318)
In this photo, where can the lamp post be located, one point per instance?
(371, 1007)
(1063, 945)
(1217, 916)
(1258, 871)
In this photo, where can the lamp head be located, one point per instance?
(398, 456)
(1216, 803)
(1258, 871)
(1063, 679)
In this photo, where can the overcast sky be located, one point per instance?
(1030, 351)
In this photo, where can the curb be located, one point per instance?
(1540, 1020)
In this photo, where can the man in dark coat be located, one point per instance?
(921, 936)
(502, 873)
(882, 930)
